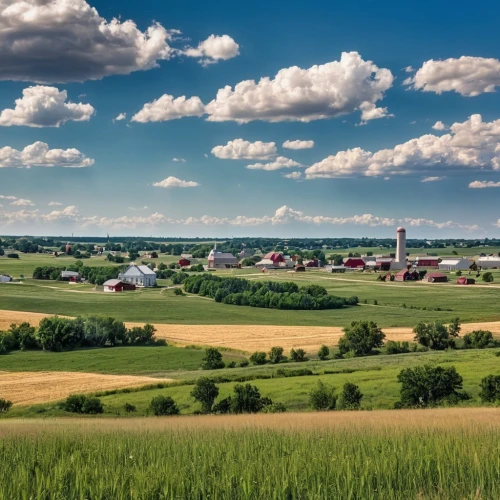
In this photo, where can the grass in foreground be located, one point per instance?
(431, 454)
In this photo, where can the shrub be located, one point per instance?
(13, 256)
(258, 358)
(298, 355)
(246, 399)
(323, 397)
(74, 403)
(323, 352)
(479, 339)
(232, 364)
(490, 388)
(179, 278)
(276, 354)
(24, 335)
(212, 359)
(223, 406)
(92, 406)
(178, 291)
(5, 405)
(437, 336)
(163, 405)
(426, 385)
(245, 362)
(487, 277)
(393, 347)
(129, 408)
(274, 408)
(205, 392)
(350, 398)
(360, 338)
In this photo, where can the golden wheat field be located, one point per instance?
(251, 337)
(28, 388)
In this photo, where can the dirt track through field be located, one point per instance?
(28, 388)
(252, 337)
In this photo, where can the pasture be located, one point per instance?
(317, 456)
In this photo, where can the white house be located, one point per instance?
(454, 265)
(488, 262)
(139, 276)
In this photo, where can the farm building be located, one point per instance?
(311, 263)
(437, 278)
(71, 276)
(184, 262)
(335, 269)
(463, 280)
(246, 253)
(117, 286)
(384, 263)
(275, 257)
(454, 265)
(488, 262)
(406, 275)
(300, 268)
(139, 276)
(4, 278)
(221, 260)
(354, 263)
(432, 262)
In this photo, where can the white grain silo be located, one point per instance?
(401, 246)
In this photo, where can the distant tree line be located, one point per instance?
(266, 294)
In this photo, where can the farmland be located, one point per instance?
(310, 456)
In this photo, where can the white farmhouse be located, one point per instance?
(454, 265)
(488, 262)
(139, 276)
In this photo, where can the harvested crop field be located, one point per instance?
(251, 337)
(27, 388)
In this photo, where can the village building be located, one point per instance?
(71, 276)
(300, 268)
(428, 262)
(406, 275)
(354, 263)
(437, 278)
(489, 262)
(311, 263)
(221, 260)
(138, 275)
(246, 253)
(117, 286)
(184, 262)
(454, 265)
(330, 268)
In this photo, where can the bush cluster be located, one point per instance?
(324, 398)
(79, 403)
(57, 334)
(265, 294)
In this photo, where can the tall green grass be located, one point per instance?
(396, 456)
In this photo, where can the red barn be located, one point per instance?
(312, 263)
(437, 278)
(276, 257)
(184, 262)
(428, 262)
(354, 263)
(117, 286)
(406, 275)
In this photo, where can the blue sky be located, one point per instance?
(341, 191)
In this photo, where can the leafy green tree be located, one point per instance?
(246, 399)
(323, 352)
(212, 359)
(426, 385)
(55, 333)
(490, 388)
(74, 403)
(129, 408)
(258, 358)
(360, 338)
(479, 339)
(100, 331)
(276, 354)
(205, 391)
(350, 397)
(323, 397)
(5, 405)
(163, 405)
(140, 335)
(92, 406)
(436, 336)
(297, 355)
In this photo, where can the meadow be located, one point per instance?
(431, 454)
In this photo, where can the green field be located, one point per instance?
(445, 454)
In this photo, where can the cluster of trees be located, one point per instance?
(96, 275)
(266, 294)
(57, 334)
(79, 403)
(324, 397)
(276, 356)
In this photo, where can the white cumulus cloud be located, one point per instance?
(169, 108)
(293, 175)
(171, 182)
(21, 202)
(43, 106)
(279, 162)
(439, 125)
(470, 145)
(295, 94)
(239, 149)
(432, 179)
(49, 41)
(54, 204)
(120, 117)
(214, 49)
(38, 154)
(298, 144)
(484, 184)
(468, 76)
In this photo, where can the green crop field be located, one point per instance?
(429, 454)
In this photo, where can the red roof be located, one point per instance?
(275, 257)
(354, 262)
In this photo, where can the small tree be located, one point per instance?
(74, 403)
(212, 359)
(361, 337)
(129, 408)
(426, 385)
(246, 399)
(323, 352)
(488, 277)
(205, 392)
(437, 336)
(350, 398)
(92, 406)
(298, 355)
(258, 358)
(490, 388)
(323, 397)
(5, 405)
(479, 339)
(276, 354)
(164, 405)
